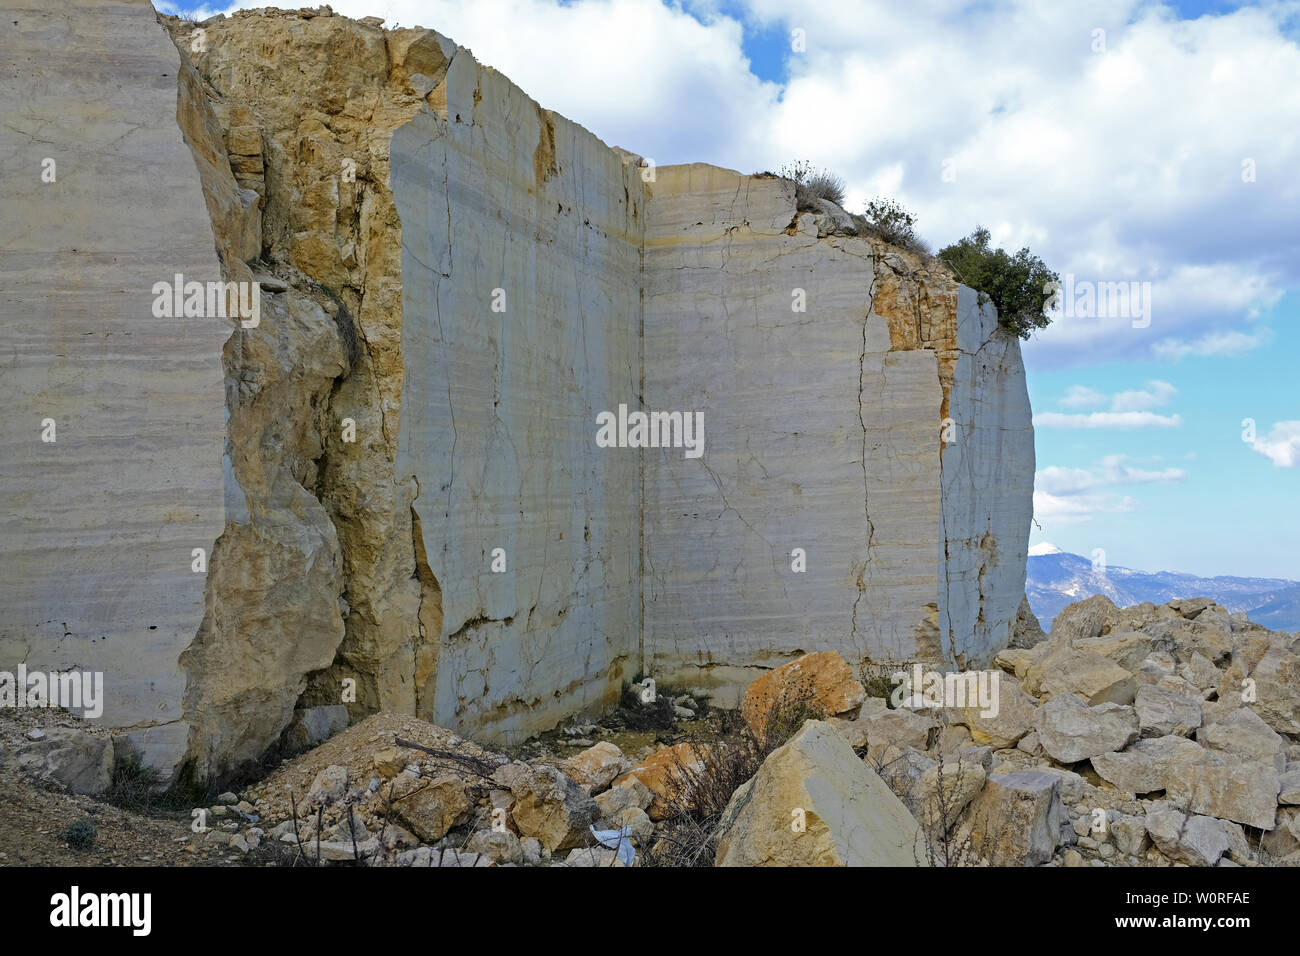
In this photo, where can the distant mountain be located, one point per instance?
(1055, 578)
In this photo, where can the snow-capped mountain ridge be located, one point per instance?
(1055, 578)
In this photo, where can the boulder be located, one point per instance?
(1199, 671)
(628, 792)
(1162, 713)
(552, 808)
(1018, 819)
(329, 786)
(1242, 791)
(596, 767)
(1156, 665)
(430, 807)
(1083, 619)
(1277, 690)
(1243, 733)
(389, 762)
(1129, 833)
(592, 856)
(499, 846)
(1284, 839)
(814, 803)
(508, 774)
(662, 775)
(1013, 717)
(1069, 730)
(1126, 649)
(638, 823)
(1026, 631)
(953, 738)
(1017, 662)
(1094, 678)
(1289, 794)
(1148, 764)
(833, 220)
(1196, 840)
(823, 682)
(899, 729)
(1071, 786)
(337, 851)
(944, 791)
(901, 769)
(72, 758)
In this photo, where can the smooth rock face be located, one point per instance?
(98, 527)
(498, 413)
(455, 282)
(314, 725)
(849, 818)
(862, 482)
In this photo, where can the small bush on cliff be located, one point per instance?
(811, 183)
(890, 220)
(1015, 283)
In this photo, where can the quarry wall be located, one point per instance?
(394, 472)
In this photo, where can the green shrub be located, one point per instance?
(135, 785)
(1015, 283)
(80, 835)
(891, 221)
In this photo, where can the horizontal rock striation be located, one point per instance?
(393, 473)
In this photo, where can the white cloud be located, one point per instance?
(1080, 396)
(1076, 509)
(1155, 395)
(1212, 345)
(1107, 420)
(1055, 480)
(1128, 409)
(1074, 495)
(1118, 473)
(1282, 446)
(1099, 161)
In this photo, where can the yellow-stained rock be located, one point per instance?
(822, 682)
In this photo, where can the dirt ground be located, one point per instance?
(33, 814)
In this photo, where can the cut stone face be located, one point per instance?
(393, 478)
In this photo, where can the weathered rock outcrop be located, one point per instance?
(393, 472)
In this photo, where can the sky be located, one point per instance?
(1153, 145)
